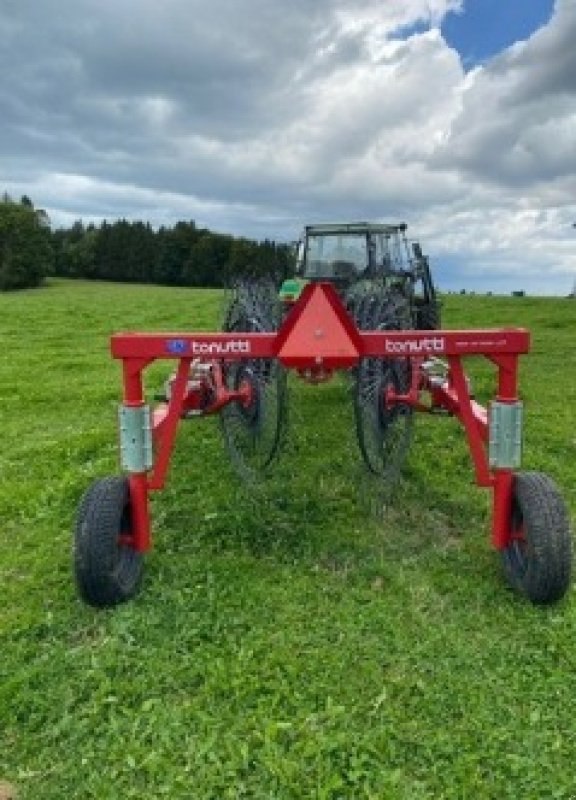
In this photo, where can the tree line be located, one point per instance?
(132, 252)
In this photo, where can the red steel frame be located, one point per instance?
(317, 337)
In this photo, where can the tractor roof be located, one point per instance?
(355, 227)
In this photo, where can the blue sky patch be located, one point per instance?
(486, 27)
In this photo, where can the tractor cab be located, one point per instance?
(345, 253)
(355, 257)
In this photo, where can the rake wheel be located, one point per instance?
(384, 433)
(253, 432)
(428, 316)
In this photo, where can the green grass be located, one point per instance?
(287, 645)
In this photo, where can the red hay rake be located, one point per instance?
(530, 525)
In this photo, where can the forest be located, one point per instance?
(127, 251)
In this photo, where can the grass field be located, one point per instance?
(284, 646)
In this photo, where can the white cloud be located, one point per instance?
(259, 116)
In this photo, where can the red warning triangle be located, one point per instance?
(319, 331)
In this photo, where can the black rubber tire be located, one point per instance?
(106, 572)
(539, 564)
(428, 317)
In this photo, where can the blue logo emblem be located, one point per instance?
(176, 345)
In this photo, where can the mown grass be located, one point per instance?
(286, 644)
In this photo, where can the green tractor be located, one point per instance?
(370, 264)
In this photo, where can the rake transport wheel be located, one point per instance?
(253, 431)
(538, 560)
(384, 433)
(107, 569)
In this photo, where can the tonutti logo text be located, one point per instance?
(220, 348)
(434, 344)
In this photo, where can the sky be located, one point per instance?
(256, 117)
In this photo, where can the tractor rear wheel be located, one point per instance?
(107, 569)
(538, 560)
